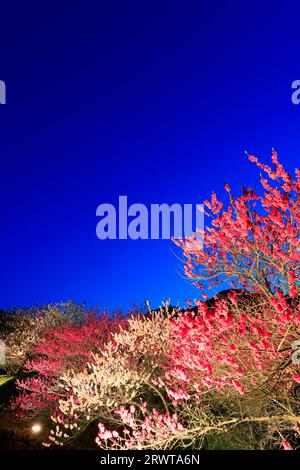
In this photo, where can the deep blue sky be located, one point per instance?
(155, 100)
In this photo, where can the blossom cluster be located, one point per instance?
(254, 242)
(62, 348)
(139, 429)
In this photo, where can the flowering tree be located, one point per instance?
(23, 329)
(62, 348)
(242, 345)
(254, 242)
(121, 373)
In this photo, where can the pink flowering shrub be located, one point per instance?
(121, 373)
(241, 346)
(235, 358)
(254, 242)
(63, 347)
(233, 349)
(25, 328)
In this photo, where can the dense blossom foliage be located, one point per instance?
(118, 374)
(141, 429)
(233, 348)
(254, 242)
(64, 347)
(23, 329)
(245, 346)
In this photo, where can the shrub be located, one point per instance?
(120, 374)
(64, 347)
(241, 347)
(230, 362)
(24, 328)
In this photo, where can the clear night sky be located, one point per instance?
(154, 100)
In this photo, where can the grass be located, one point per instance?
(5, 380)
